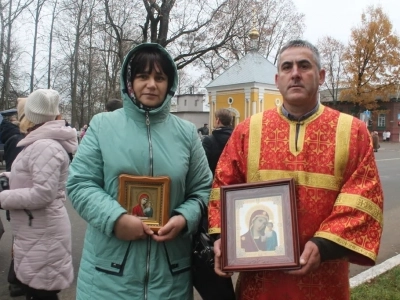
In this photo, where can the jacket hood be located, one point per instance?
(126, 91)
(55, 130)
(7, 130)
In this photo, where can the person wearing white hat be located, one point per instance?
(39, 220)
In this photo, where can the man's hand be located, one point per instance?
(217, 260)
(310, 260)
(130, 228)
(170, 230)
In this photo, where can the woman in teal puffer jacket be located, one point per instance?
(122, 258)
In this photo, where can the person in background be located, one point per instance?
(214, 144)
(339, 194)
(11, 135)
(204, 130)
(143, 139)
(83, 131)
(39, 219)
(113, 104)
(375, 141)
(388, 136)
(384, 136)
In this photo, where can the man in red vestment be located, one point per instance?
(339, 195)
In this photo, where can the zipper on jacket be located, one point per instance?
(150, 144)
(146, 279)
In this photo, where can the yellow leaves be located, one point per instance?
(372, 59)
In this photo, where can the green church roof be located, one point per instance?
(253, 67)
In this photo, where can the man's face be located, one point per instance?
(298, 77)
(260, 224)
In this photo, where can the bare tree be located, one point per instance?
(36, 18)
(12, 11)
(331, 51)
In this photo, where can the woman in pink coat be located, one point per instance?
(39, 220)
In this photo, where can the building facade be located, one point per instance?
(190, 107)
(246, 88)
(385, 118)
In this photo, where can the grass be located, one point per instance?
(383, 287)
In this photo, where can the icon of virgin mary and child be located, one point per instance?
(260, 236)
(144, 207)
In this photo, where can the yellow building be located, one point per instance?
(246, 88)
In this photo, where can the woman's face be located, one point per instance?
(144, 200)
(260, 224)
(151, 88)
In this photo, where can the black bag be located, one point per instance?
(12, 277)
(208, 284)
(1, 229)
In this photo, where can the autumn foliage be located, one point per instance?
(371, 61)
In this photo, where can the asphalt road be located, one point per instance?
(388, 160)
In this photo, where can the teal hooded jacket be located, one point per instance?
(134, 141)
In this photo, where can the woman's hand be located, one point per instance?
(131, 228)
(173, 227)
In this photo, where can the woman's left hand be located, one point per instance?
(173, 227)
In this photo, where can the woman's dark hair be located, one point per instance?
(152, 57)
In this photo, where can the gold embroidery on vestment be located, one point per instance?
(253, 155)
(214, 230)
(347, 244)
(215, 194)
(343, 136)
(362, 204)
(308, 179)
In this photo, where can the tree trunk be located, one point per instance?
(39, 6)
(51, 45)
(7, 62)
(90, 66)
(76, 66)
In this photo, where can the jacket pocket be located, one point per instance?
(178, 253)
(112, 266)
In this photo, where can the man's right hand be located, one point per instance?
(217, 260)
(130, 228)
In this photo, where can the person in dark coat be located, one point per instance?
(113, 104)
(375, 141)
(10, 136)
(204, 130)
(214, 144)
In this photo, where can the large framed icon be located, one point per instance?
(259, 226)
(146, 198)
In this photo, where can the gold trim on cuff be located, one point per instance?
(347, 244)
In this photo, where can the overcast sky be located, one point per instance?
(336, 18)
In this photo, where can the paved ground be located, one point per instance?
(388, 160)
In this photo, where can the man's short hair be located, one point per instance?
(301, 44)
(113, 104)
(225, 116)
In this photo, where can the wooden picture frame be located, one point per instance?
(248, 241)
(146, 197)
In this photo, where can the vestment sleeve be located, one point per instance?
(231, 169)
(356, 219)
